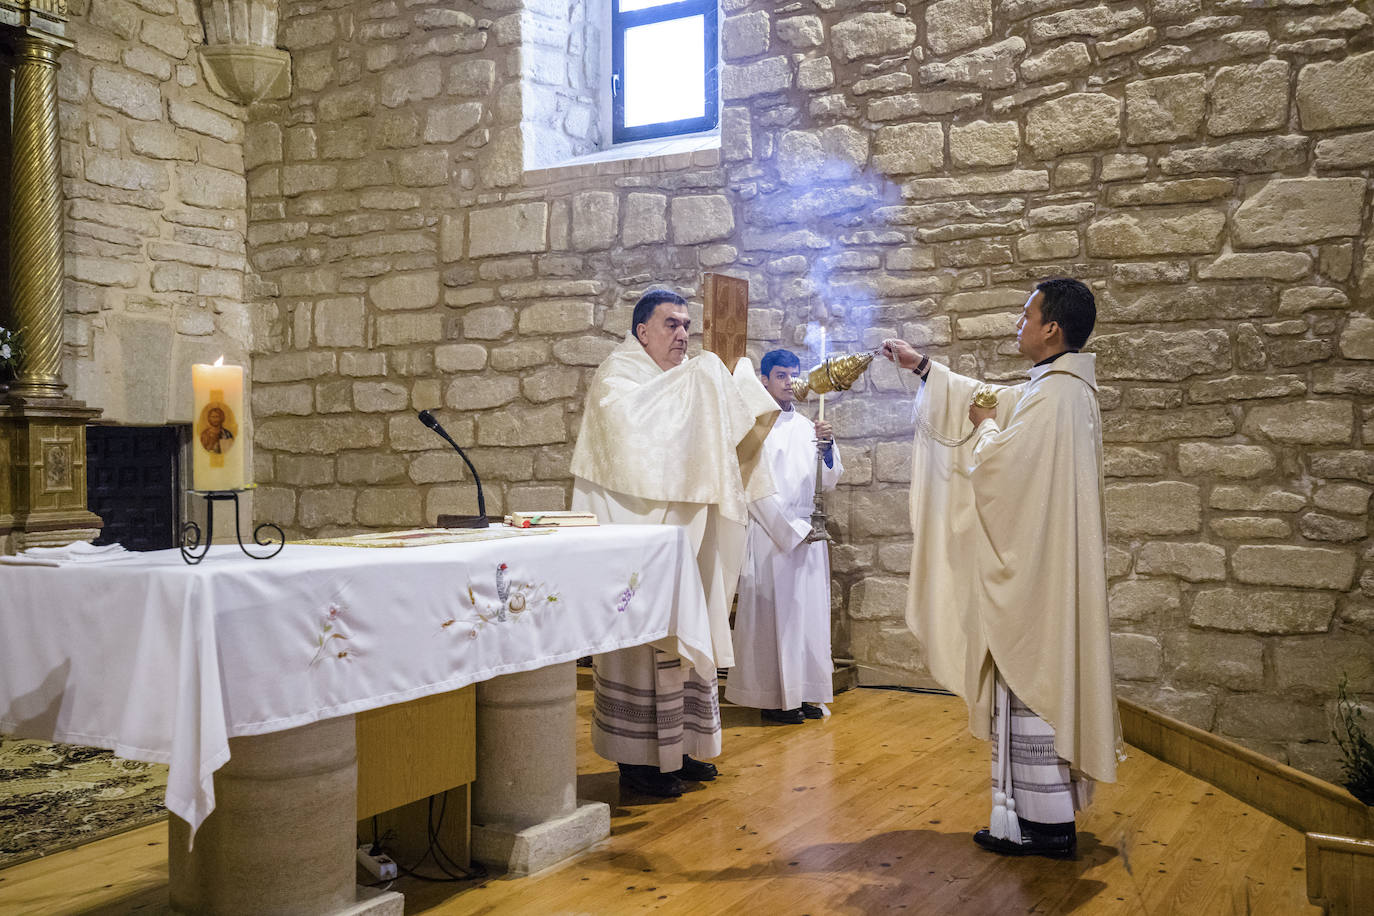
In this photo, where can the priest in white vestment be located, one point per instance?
(667, 440)
(782, 624)
(1008, 591)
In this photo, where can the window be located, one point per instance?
(664, 68)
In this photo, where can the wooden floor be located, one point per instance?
(869, 811)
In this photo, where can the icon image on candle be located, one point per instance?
(216, 428)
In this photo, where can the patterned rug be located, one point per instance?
(55, 796)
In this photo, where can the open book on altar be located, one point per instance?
(557, 519)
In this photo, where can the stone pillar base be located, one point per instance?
(373, 901)
(523, 852)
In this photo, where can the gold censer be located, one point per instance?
(838, 373)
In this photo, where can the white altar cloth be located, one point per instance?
(164, 662)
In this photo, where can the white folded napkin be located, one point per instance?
(79, 552)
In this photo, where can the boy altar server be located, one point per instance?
(667, 440)
(782, 624)
(1008, 587)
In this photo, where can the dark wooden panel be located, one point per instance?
(725, 328)
(132, 484)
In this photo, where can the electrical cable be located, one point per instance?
(901, 688)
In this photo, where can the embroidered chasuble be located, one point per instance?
(676, 447)
(1008, 567)
(782, 625)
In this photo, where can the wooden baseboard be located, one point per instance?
(1297, 799)
(1340, 874)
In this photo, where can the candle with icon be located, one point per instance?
(217, 435)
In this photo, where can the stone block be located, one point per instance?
(406, 291)
(1148, 232)
(511, 229)
(460, 357)
(409, 328)
(977, 327)
(983, 143)
(595, 220)
(700, 218)
(909, 149)
(1292, 211)
(1203, 459)
(372, 468)
(320, 507)
(1161, 355)
(550, 384)
(1345, 498)
(1255, 499)
(1336, 93)
(300, 471)
(1168, 507)
(472, 77)
(1295, 567)
(1166, 108)
(397, 507)
(488, 323)
(1250, 97)
(875, 597)
(339, 322)
(745, 36)
(523, 427)
(1317, 526)
(801, 32)
(646, 219)
(468, 393)
(1249, 528)
(1096, 22)
(1243, 387)
(764, 77)
(1228, 660)
(278, 400)
(1357, 338)
(1267, 612)
(1317, 663)
(1192, 562)
(1187, 190)
(1045, 246)
(1137, 600)
(447, 123)
(990, 67)
(126, 93)
(1070, 57)
(1302, 422)
(1258, 717)
(1152, 426)
(1351, 151)
(318, 435)
(1136, 657)
(952, 25)
(872, 34)
(520, 355)
(1073, 123)
(379, 397)
(1124, 461)
(879, 513)
(1274, 265)
(1255, 155)
(556, 317)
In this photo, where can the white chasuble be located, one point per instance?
(1008, 569)
(676, 447)
(782, 624)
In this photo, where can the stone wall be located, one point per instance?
(156, 211)
(886, 169)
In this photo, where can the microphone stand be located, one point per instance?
(459, 521)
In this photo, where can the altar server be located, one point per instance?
(1008, 589)
(782, 624)
(676, 441)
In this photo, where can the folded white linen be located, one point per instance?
(79, 552)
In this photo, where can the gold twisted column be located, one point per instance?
(35, 231)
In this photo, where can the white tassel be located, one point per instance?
(999, 823)
(1013, 822)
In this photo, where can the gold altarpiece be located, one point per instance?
(42, 429)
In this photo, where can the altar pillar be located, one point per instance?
(525, 811)
(282, 837)
(42, 430)
(35, 218)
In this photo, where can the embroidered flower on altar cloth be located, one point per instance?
(513, 598)
(625, 596)
(327, 644)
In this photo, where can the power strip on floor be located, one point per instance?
(379, 864)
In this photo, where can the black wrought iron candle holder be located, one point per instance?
(190, 532)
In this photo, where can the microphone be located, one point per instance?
(459, 521)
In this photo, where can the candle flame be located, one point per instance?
(220, 361)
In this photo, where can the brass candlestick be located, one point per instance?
(837, 373)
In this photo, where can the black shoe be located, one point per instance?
(647, 780)
(812, 711)
(1062, 846)
(696, 770)
(784, 716)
